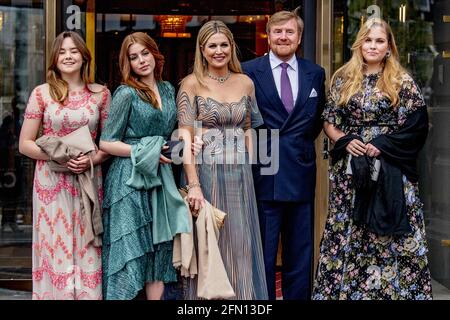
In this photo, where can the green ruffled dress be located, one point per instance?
(129, 257)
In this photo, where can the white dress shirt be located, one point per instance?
(292, 71)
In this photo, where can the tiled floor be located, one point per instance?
(439, 292)
(14, 295)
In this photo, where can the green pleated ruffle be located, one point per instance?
(127, 215)
(129, 257)
(126, 283)
(115, 182)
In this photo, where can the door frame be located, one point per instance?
(324, 51)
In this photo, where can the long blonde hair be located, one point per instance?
(206, 31)
(352, 74)
(58, 87)
(132, 79)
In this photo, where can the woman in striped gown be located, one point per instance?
(217, 103)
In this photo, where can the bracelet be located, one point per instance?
(193, 185)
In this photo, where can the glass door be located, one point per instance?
(22, 50)
(174, 26)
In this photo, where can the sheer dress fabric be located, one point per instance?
(63, 268)
(226, 180)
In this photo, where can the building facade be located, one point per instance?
(27, 28)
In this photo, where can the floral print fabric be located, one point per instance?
(354, 263)
(64, 268)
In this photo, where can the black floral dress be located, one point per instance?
(354, 263)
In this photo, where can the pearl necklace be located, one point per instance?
(219, 79)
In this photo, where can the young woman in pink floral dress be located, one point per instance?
(64, 265)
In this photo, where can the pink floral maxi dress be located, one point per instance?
(64, 266)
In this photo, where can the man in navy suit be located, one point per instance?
(290, 95)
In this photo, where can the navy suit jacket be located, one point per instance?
(296, 176)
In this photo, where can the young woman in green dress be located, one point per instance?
(142, 108)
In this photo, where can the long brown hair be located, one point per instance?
(390, 80)
(132, 79)
(59, 88)
(206, 31)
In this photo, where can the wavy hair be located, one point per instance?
(129, 77)
(284, 16)
(58, 87)
(206, 31)
(352, 72)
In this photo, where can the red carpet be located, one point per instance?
(279, 295)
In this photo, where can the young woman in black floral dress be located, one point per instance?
(374, 244)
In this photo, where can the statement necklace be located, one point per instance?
(219, 79)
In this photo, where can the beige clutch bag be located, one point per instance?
(80, 139)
